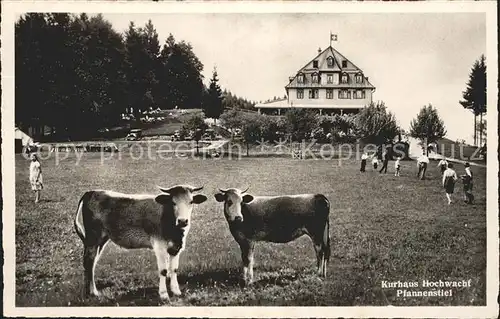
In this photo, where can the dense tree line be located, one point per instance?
(76, 74)
(232, 101)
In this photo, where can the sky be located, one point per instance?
(412, 59)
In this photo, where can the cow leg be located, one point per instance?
(319, 256)
(247, 248)
(91, 256)
(250, 263)
(160, 249)
(321, 241)
(173, 268)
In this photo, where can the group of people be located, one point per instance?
(385, 162)
(449, 176)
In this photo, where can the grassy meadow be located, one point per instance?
(382, 228)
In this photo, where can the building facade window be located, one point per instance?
(313, 94)
(329, 94)
(359, 94)
(300, 93)
(344, 94)
(329, 79)
(329, 62)
(344, 63)
(300, 78)
(315, 64)
(314, 78)
(345, 78)
(359, 78)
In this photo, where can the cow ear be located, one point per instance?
(247, 198)
(198, 199)
(220, 197)
(163, 199)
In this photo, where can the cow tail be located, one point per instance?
(78, 223)
(326, 241)
(323, 207)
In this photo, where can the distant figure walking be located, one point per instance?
(364, 157)
(449, 179)
(397, 166)
(422, 163)
(443, 164)
(36, 179)
(467, 180)
(385, 158)
(374, 161)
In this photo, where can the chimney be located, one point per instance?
(319, 50)
(366, 78)
(290, 78)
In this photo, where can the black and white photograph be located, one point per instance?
(250, 160)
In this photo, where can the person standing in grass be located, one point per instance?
(364, 157)
(375, 161)
(422, 163)
(385, 158)
(467, 180)
(397, 166)
(36, 179)
(443, 164)
(449, 180)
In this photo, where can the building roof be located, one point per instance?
(323, 67)
(281, 103)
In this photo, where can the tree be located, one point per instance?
(212, 106)
(251, 130)
(474, 96)
(232, 119)
(300, 123)
(180, 78)
(375, 124)
(428, 126)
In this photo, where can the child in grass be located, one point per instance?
(374, 161)
(467, 180)
(36, 179)
(397, 166)
(364, 157)
(449, 179)
(443, 164)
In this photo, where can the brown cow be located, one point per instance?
(159, 222)
(277, 219)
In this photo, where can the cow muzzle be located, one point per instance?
(182, 222)
(238, 219)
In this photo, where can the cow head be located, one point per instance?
(180, 199)
(233, 198)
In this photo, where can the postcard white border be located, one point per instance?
(11, 11)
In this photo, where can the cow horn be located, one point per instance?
(243, 192)
(195, 189)
(223, 190)
(163, 189)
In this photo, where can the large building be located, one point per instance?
(329, 83)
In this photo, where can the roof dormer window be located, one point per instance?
(315, 64)
(300, 78)
(344, 63)
(314, 78)
(329, 61)
(359, 78)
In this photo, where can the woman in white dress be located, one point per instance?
(36, 179)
